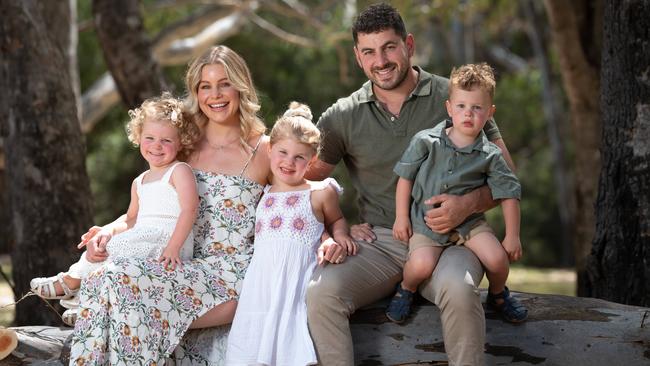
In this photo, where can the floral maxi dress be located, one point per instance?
(133, 311)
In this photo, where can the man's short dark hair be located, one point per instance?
(377, 18)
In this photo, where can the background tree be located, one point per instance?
(619, 263)
(47, 186)
(577, 34)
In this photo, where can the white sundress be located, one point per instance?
(158, 210)
(270, 325)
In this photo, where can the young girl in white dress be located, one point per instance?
(164, 199)
(270, 325)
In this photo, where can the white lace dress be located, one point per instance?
(270, 326)
(158, 210)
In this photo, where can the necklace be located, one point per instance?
(221, 146)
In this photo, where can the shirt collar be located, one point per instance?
(424, 87)
(477, 145)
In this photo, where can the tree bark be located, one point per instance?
(577, 31)
(619, 267)
(127, 50)
(48, 188)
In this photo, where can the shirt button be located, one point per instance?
(392, 118)
(449, 171)
(446, 186)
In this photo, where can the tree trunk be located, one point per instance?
(127, 50)
(619, 265)
(47, 185)
(577, 32)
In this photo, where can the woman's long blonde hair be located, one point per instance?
(239, 75)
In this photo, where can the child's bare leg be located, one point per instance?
(493, 257)
(420, 266)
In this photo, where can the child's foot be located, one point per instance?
(60, 286)
(400, 306)
(511, 309)
(69, 317)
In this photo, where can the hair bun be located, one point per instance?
(298, 110)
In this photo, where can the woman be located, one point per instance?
(136, 311)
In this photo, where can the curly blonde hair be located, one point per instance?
(297, 123)
(240, 77)
(164, 108)
(469, 76)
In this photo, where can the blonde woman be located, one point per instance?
(135, 311)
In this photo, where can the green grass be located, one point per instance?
(540, 281)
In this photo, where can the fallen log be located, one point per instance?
(560, 330)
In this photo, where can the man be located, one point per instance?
(369, 130)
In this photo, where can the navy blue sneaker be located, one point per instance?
(400, 306)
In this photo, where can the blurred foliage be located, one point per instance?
(284, 72)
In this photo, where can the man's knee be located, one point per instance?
(455, 279)
(323, 295)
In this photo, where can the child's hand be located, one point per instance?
(330, 251)
(90, 234)
(402, 229)
(170, 258)
(347, 243)
(512, 245)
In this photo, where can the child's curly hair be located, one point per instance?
(469, 76)
(297, 123)
(165, 108)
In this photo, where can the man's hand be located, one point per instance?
(449, 211)
(363, 232)
(330, 251)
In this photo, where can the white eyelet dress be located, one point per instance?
(135, 312)
(270, 326)
(158, 210)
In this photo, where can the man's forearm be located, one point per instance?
(481, 199)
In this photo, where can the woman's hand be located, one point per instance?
(95, 241)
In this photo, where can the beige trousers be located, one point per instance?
(336, 291)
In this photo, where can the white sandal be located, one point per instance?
(69, 317)
(44, 287)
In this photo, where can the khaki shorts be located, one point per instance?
(421, 241)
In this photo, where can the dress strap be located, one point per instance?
(252, 155)
(138, 179)
(170, 170)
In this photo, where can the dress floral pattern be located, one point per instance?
(137, 312)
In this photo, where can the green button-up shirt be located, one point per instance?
(370, 140)
(436, 166)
